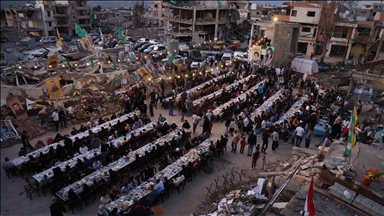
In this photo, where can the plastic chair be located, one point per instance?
(50, 140)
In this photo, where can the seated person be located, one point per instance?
(45, 180)
(22, 152)
(9, 167)
(186, 125)
(173, 125)
(74, 131)
(159, 186)
(72, 196)
(148, 172)
(178, 180)
(39, 144)
(124, 189)
(114, 193)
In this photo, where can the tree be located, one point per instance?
(138, 11)
(329, 16)
(97, 8)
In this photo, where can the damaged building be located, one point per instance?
(43, 17)
(200, 21)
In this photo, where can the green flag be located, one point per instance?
(170, 59)
(219, 3)
(93, 65)
(79, 31)
(173, 1)
(101, 35)
(69, 64)
(73, 86)
(90, 15)
(114, 66)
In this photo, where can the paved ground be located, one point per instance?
(14, 201)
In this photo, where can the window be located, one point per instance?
(50, 24)
(294, 13)
(257, 13)
(73, 17)
(49, 13)
(306, 29)
(311, 13)
(344, 33)
(314, 32)
(156, 6)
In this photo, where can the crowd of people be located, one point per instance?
(244, 127)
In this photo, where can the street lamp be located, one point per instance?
(275, 19)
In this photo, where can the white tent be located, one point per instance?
(304, 66)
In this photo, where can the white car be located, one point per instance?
(177, 58)
(149, 49)
(195, 63)
(183, 46)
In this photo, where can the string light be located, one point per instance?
(63, 66)
(98, 63)
(75, 65)
(35, 66)
(19, 67)
(50, 66)
(170, 77)
(186, 75)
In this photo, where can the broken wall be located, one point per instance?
(22, 92)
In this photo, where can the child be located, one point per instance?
(242, 145)
(255, 156)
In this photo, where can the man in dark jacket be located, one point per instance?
(56, 208)
(252, 139)
(265, 140)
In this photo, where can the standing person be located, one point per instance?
(379, 114)
(232, 126)
(55, 116)
(299, 134)
(265, 136)
(308, 137)
(56, 207)
(326, 133)
(255, 156)
(235, 140)
(171, 107)
(242, 145)
(275, 140)
(151, 105)
(252, 139)
(62, 119)
(195, 121)
(227, 122)
(183, 111)
(25, 141)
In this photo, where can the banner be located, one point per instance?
(53, 60)
(53, 87)
(270, 50)
(59, 40)
(144, 74)
(92, 82)
(7, 130)
(255, 53)
(32, 104)
(76, 96)
(79, 31)
(18, 109)
(84, 44)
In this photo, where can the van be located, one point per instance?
(228, 59)
(159, 50)
(192, 54)
(304, 66)
(240, 56)
(219, 45)
(143, 40)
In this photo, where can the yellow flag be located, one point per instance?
(353, 126)
(86, 34)
(59, 38)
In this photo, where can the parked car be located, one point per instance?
(322, 66)
(149, 49)
(219, 45)
(49, 39)
(232, 47)
(299, 55)
(242, 49)
(202, 46)
(144, 47)
(138, 45)
(211, 56)
(196, 62)
(183, 46)
(177, 58)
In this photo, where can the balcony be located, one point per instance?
(82, 16)
(81, 8)
(340, 40)
(84, 25)
(176, 19)
(60, 15)
(62, 24)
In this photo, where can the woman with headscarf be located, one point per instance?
(205, 125)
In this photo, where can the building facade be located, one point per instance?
(42, 18)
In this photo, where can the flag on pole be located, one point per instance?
(173, 1)
(69, 64)
(90, 15)
(101, 35)
(351, 132)
(126, 34)
(219, 3)
(59, 41)
(86, 34)
(79, 31)
(171, 58)
(73, 86)
(93, 65)
(309, 206)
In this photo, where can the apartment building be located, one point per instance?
(27, 19)
(200, 21)
(43, 17)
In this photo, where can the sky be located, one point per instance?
(121, 3)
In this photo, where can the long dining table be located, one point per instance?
(169, 172)
(93, 153)
(277, 96)
(103, 173)
(19, 160)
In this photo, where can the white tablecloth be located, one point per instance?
(277, 96)
(228, 104)
(170, 171)
(294, 109)
(115, 166)
(19, 160)
(220, 91)
(196, 88)
(92, 153)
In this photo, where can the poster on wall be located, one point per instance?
(7, 130)
(255, 54)
(270, 51)
(76, 95)
(53, 61)
(18, 109)
(144, 74)
(54, 88)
